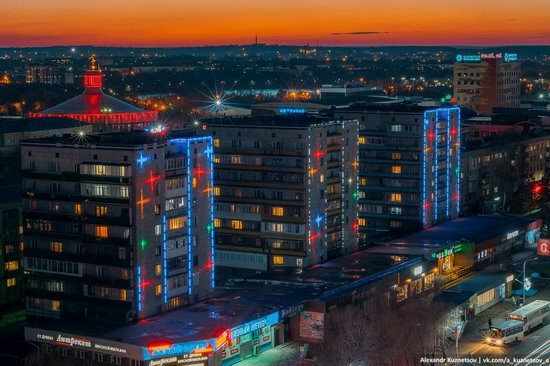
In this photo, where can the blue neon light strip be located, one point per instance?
(210, 157)
(139, 289)
(448, 177)
(189, 224)
(164, 261)
(458, 162)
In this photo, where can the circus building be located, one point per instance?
(99, 109)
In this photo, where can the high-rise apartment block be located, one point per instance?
(117, 226)
(486, 83)
(286, 190)
(408, 166)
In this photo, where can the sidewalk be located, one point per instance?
(274, 357)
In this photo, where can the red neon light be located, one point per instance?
(454, 131)
(319, 154)
(200, 172)
(312, 237)
(144, 283)
(93, 80)
(355, 226)
(431, 135)
(207, 349)
(152, 180)
(104, 118)
(456, 196)
(158, 346)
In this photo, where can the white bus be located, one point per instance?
(532, 314)
(505, 332)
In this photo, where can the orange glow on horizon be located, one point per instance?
(346, 22)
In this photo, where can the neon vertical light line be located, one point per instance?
(209, 155)
(189, 224)
(164, 262)
(343, 185)
(425, 154)
(436, 169)
(458, 161)
(448, 177)
(139, 290)
(309, 182)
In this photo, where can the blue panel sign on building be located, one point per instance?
(262, 322)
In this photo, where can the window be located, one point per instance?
(78, 209)
(486, 297)
(56, 246)
(10, 282)
(396, 155)
(361, 222)
(158, 231)
(236, 224)
(396, 197)
(100, 211)
(277, 211)
(176, 223)
(101, 232)
(278, 260)
(56, 304)
(158, 269)
(217, 223)
(396, 169)
(217, 191)
(158, 290)
(216, 142)
(11, 266)
(395, 210)
(362, 140)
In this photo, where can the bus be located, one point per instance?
(505, 332)
(532, 314)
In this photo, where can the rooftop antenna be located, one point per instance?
(256, 40)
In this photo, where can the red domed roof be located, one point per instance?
(94, 106)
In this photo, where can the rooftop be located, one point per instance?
(291, 120)
(14, 125)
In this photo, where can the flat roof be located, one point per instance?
(116, 139)
(298, 120)
(480, 281)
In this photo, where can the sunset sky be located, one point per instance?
(212, 22)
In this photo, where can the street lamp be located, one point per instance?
(524, 263)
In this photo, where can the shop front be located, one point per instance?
(251, 339)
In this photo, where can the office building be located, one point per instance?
(117, 226)
(487, 83)
(408, 165)
(286, 190)
(49, 74)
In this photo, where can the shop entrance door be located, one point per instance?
(246, 350)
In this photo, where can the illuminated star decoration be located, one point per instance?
(355, 164)
(217, 101)
(208, 151)
(208, 189)
(141, 160)
(199, 172)
(81, 134)
(318, 220)
(142, 201)
(152, 180)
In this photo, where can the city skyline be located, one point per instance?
(349, 22)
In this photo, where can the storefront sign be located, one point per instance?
(447, 251)
(508, 57)
(188, 359)
(417, 271)
(292, 110)
(509, 278)
(246, 328)
(178, 349)
(543, 247)
(512, 235)
(291, 311)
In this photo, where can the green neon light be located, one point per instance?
(143, 244)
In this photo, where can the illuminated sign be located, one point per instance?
(512, 235)
(175, 349)
(508, 57)
(260, 323)
(292, 110)
(417, 271)
(543, 247)
(527, 284)
(509, 278)
(292, 310)
(447, 251)
(180, 360)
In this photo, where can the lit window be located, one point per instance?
(277, 211)
(396, 197)
(216, 142)
(278, 260)
(396, 155)
(11, 266)
(396, 169)
(217, 191)
(321, 178)
(100, 211)
(236, 224)
(10, 282)
(158, 290)
(56, 304)
(361, 222)
(78, 209)
(362, 140)
(56, 246)
(194, 182)
(101, 232)
(158, 269)
(176, 223)
(123, 295)
(217, 223)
